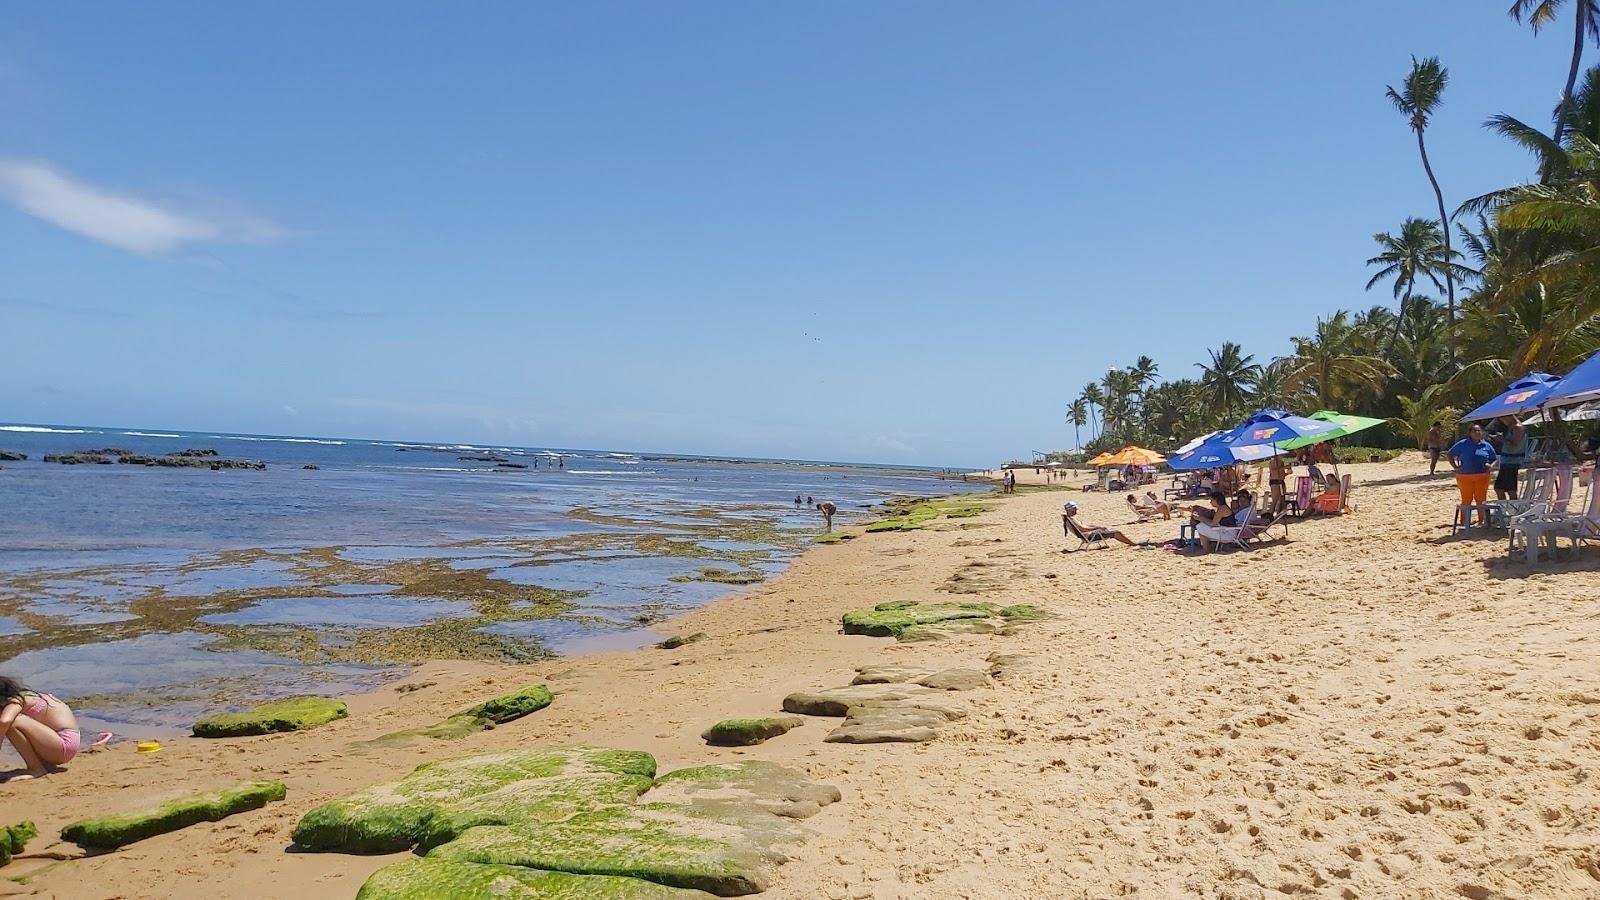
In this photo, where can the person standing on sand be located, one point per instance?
(1435, 446)
(1471, 458)
(828, 509)
(1513, 453)
(1277, 478)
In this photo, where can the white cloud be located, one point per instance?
(289, 410)
(123, 221)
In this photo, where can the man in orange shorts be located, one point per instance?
(1472, 457)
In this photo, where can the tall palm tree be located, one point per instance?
(1078, 415)
(1418, 97)
(1144, 372)
(1330, 368)
(1585, 20)
(1230, 380)
(1094, 396)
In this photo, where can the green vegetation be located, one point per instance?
(890, 619)
(835, 537)
(912, 513)
(13, 838)
(1023, 612)
(294, 714)
(111, 832)
(678, 640)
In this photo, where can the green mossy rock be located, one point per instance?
(498, 711)
(111, 832)
(512, 706)
(1023, 612)
(678, 640)
(13, 838)
(439, 800)
(432, 879)
(294, 714)
(889, 620)
(723, 576)
(752, 783)
(720, 851)
(749, 732)
(835, 537)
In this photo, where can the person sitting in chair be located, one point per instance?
(1089, 534)
(1150, 507)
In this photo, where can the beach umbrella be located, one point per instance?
(1276, 426)
(1582, 413)
(1134, 456)
(1579, 385)
(1195, 443)
(1524, 395)
(1343, 425)
(1099, 460)
(1214, 453)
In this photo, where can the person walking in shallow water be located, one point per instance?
(827, 509)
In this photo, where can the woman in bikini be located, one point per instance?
(41, 728)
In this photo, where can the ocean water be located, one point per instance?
(147, 594)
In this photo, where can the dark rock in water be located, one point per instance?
(510, 465)
(193, 452)
(12, 456)
(312, 466)
(74, 459)
(487, 459)
(678, 640)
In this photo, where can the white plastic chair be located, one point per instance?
(1537, 528)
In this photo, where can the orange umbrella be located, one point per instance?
(1130, 456)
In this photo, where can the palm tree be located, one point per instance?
(1094, 396)
(1586, 20)
(1419, 250)
(1331, 367)
(1230, 380)
(1419, 415)
(1078, 415)
(1144, 372)
(1420, 95)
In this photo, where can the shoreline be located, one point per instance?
(1373, 706)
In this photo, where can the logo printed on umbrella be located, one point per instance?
(1261, 434)
(1518, 397)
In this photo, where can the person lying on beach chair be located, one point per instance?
(1151, 507)
(1089, 537)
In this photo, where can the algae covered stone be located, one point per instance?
(294, 714)
(441, 799)
(509, 707)
(430, 879)
(13, 838)
(890, 619)
(724, 852)
(750, 783)
(111, 832)
(749, 732)
(678, 640)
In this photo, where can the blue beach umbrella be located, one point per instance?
(1275, 426)
(1213, 453)
(1577, 386)
(1526, 394)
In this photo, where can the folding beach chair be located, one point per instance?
(1538, 527)
(1300, 503)
(1245, 537)
(1093, 540)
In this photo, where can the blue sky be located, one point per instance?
(896, 231)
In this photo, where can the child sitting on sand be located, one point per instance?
(41, 728)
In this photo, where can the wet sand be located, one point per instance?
(1370, 709)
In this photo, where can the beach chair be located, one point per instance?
(1533, 496)
(1091, 541)
(1333, 501)
(1300, 503)
(1540, 527)
(1246, 536)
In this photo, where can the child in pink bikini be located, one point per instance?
(40, 727)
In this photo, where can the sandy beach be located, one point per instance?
(1372, 708)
